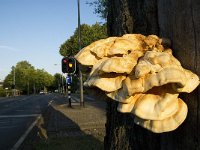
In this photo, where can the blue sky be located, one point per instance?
(33, 30)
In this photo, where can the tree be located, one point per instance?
(23, 74)
(100, 7)
(180, 23)
(59, 81)
(2, 92)
(8, 81)
(43, 79)
(27, 78)
(89, 34)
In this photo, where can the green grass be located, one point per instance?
(91, 139)
(86, 142)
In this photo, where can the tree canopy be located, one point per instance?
(100, 7)
(27, 78)
(89, 34)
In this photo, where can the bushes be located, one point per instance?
(2, 92)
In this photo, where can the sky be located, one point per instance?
(33, 30)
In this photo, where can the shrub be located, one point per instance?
(2, 92)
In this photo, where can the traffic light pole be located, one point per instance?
(69, 90)
(79, 43)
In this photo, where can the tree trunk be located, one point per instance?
(180, 22)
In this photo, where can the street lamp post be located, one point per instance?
(62, 85)
(61, 88)
(79, 43)
(13, 81)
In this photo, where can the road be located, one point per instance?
(17, 114)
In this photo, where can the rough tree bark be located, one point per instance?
(180, 22)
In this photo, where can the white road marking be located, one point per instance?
(22, 138)
(50, 102)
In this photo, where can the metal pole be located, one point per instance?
(34, 88)
(79, 43)
(63, 89)
(14, 82)
(61, 83)
(69, 90)
(28, 87)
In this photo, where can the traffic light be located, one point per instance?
(68, 65)
(64, 64)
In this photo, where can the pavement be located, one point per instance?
(62, 120)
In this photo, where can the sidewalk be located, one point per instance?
(73, 128)
(65, 120)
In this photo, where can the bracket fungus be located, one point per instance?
(143, 76)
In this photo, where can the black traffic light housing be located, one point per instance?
(68, 65)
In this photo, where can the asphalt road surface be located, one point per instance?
(17, 114)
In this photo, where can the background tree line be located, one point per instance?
(28, 80)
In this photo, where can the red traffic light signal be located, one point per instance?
(64, 64)
(68, 65)
(65, 60)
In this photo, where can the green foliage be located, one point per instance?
(59, 81)
(100, 7)
(89, 34)
(8, 80)
(43, 79)
(75, 84)
(2, 92)
(27, 78)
